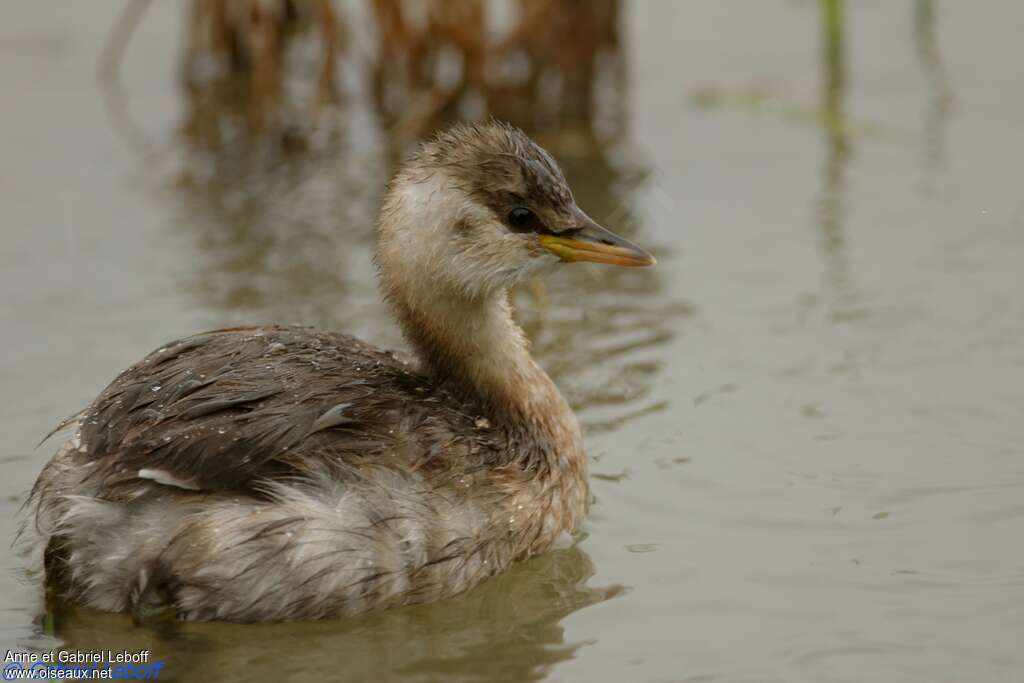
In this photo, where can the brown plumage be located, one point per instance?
(273, 473)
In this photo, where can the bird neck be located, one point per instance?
(475, 346)
(476, 349)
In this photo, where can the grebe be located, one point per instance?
(281, 473)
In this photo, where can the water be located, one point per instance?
(805, 422)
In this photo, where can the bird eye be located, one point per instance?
(522, 220)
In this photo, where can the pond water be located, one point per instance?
(805, 423)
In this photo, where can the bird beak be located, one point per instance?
(591, 242)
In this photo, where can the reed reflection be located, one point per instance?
(289, 241)
(268, 71)
(554, 68)
(259, 71)
(941, 98)
(831, 203)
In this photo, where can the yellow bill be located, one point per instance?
(596, 244)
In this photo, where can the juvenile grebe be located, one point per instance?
(270, 473)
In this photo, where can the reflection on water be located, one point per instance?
(838, 148)
(269, 72)
(261, 71)
(831, 207)
(283, 238)
(508, 629)
(548, 66)
(941, 100)
(115, 100)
